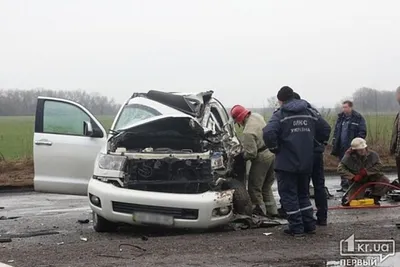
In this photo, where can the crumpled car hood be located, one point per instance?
(181, 123)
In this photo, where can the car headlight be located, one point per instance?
(110, 162)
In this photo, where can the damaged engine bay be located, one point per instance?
(188, 154)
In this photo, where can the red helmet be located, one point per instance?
(239, 113)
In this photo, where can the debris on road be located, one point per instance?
(83, 221)
(130, 245)
(243, 222)
(144, 238)
(83, 239)
(32, 234)
(10, 261)
(5, 240)
(267, 234)
(2, 218)
(112, 256)
(1, 208)
(61, 243)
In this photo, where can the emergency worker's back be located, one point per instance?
(290, 134)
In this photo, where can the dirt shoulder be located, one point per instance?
(20, 173)
(16, 173)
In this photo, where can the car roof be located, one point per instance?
(192, 104)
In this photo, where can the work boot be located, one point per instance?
(258, 210)
(311, 232)
(376, 200)
(282, 213)
(289, 232)
(322, 222)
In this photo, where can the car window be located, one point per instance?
(134, 113)
(63, 118)
(221, 116)
(215, 112)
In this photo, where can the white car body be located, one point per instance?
(69, 142)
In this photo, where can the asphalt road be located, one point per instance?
(46, 232)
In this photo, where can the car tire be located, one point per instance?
(102, 225)
(241, 199)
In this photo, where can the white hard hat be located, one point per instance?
(358, 143)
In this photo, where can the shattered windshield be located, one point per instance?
(134, 113)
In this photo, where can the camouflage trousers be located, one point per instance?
(261, 178)
(377, 190)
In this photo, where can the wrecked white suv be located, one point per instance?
(169, 159)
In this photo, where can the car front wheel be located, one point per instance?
(102, 225)
(241, 199)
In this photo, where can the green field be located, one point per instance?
(16, 134)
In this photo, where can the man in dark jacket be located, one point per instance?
(395, 140)
(349, 125)
(317, 176)
(290, 134)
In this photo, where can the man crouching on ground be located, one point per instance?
(261, 175)
(361, 165)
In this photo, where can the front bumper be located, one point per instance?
(118, 204)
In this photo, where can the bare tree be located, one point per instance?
(23, 102)
(272, 102)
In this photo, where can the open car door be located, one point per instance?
(66, 142)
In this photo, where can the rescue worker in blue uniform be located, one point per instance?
(290, 134)
(317, 176)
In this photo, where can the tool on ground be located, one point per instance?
(345, 200)
(363, 188)
(394, 195)
(362, 202)
(356, 202)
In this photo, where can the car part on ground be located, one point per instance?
(243, 222)
(394, 195)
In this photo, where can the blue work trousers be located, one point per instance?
(318, 180)
(293, 190)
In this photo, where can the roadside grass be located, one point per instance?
(16, 137)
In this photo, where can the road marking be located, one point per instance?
(4, 265)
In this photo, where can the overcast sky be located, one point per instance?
(243, 50)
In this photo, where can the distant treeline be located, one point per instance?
(369, 100)
(365, 100)
(23, 102)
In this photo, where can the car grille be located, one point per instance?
(177, 213)
(169, 175)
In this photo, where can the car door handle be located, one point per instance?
(43, 143)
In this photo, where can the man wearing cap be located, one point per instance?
(361, 165)
(290, 134)
(261, 175)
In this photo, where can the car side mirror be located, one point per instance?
(87, 128)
